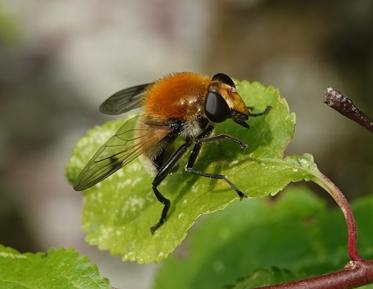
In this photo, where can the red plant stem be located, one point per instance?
(342, 202)
(355, 274)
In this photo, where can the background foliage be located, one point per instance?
(267, 242)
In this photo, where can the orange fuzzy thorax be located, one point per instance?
(179, 96)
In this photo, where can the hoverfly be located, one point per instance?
(182, 104)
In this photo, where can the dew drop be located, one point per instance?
(136, 181)
(123, 184)
(218, 266)
(128, 255)
(136, 203)
(303, 162)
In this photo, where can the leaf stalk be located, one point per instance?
(324, 182)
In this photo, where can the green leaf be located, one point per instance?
(297, 232)
(56, 269)
(119, 211)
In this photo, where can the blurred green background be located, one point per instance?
(60, 59)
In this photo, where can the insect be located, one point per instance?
(185, 105)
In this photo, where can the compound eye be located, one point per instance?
(217, 110)
(224, 79)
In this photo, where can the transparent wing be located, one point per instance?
(125, 100)
(123, 147)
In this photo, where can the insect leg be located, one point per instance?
(189, 168)
(163, 171)
(219, 137)
(267, 109)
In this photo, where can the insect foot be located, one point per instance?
(241, 195)
(155, 228)
(243, 146)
